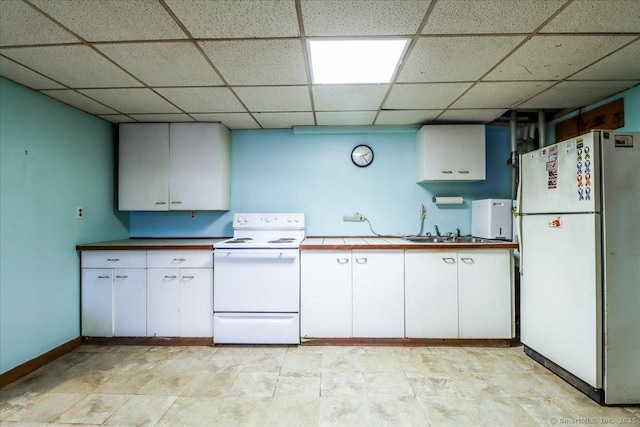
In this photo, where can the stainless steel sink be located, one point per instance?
(446, 239)
(427, 239)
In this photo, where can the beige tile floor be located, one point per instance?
(299, 386)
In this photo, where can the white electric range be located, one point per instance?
(256, 291)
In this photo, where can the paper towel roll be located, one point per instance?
(448, 200)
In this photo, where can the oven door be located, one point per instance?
(256, 280)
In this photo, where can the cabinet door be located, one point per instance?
(200, 166)
(484, 286)
(143, 183)
(378, 294)
(96, 306)
(196, 302)
(163, 300)
(431, 294)
(436, 153)
(325, 294)
(130, 302)
(470, 152)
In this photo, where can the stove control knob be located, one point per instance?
(268, 218)
(290, 219)
(297, 219)
(239, 219)
(246, 219)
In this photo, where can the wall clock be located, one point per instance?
(362, 155)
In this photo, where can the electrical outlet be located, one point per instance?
(79, 212)
(192, 215)
(356, 217)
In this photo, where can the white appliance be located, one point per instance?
(579, 204)
(491, 218)
(256, 288)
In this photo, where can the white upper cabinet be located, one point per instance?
(451, 153)
(177, 166)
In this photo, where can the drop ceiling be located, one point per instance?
(245, 62)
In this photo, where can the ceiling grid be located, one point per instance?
(245, 63)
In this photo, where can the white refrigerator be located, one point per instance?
(579, 226)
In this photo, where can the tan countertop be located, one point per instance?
(151, 244)
(348, 243)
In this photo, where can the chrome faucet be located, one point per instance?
(438, 231)
(457, 232)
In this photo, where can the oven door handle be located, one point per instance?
(243, 254)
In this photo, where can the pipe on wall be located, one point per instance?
(542, 131)
(514, 150)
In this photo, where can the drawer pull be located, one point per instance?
(113, 259)
(104, 277)
(361, 260)
(449, 260)
(179, 260)
(463, 171)
(467, 260)
(169, 277)
(121, 277)
(447, 172)
(161, 203)
(176, 203)
(188, 277)
(342, 260)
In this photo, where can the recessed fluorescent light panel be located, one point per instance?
(355, 61)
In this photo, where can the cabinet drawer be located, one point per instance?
(192, 259)
(114, 259)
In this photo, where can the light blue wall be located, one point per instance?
(279, 170)
(631, 113)
(52, 159)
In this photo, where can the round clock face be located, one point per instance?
(362, 156)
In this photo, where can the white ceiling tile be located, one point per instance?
(258, 62)
(345, 118)
(575, 94)
(555, 57)
(203, 99)
(474, 116)
(20, 24)
(116, 118)
(275, 98)
(489, 16)
(162, 118)
(80, 101)
(230, 120)
(499, 94)
(622, 65)
(25, 76)
(99, 20)
(447, 59)
(237, 18)
(406, 117)
(595, 16)
(427, 96)
(132, 101)
(362, 17)
(163, 64)
(75, 66)
(348, 97)
(284, 120)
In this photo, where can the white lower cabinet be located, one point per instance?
(431, 294)
(351, 294)
(113, 301)
(325, 294)
(180, 299)
(153, 293)
(378, 294)
(458, 294)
